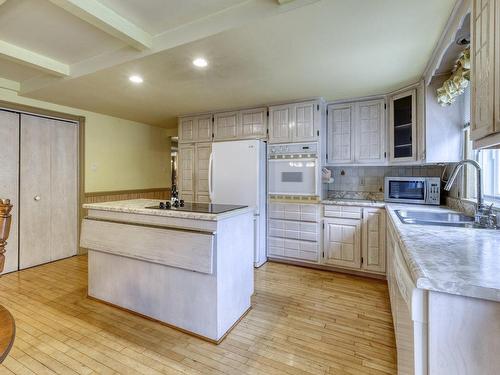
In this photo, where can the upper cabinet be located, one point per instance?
(226, 125)
(297, 122)
(244, 124)
(370, 134)
(340, 127)
(195, 129)
(253, 123)
(403, 126)
(356, 133)
(485, 60)
(280, 122)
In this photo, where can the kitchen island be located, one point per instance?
(190, 268)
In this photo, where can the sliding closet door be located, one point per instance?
(64, 187)
(49, 185)
(9, 178)
(35, 195)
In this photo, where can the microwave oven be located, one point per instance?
(415, 190)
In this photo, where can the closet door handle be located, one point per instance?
(37, 198)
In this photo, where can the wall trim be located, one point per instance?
(121, 192)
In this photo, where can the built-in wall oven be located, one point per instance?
(293, 169)
(416, 190)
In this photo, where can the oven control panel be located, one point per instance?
(294, 149)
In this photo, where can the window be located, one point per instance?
(490, 164)
(489, 160)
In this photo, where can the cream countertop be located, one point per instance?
(461, 261)
(138, 206)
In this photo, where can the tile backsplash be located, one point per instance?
(361, 181)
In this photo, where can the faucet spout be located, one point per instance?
(479, 180)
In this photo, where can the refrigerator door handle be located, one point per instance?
(210, 163)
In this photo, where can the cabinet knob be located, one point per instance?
(37, 198)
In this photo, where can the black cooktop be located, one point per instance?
(206, 208)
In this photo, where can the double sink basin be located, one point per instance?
(436, 218)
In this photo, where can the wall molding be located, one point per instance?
(119, 195)
(121, 192)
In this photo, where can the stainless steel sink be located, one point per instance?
(435, 218)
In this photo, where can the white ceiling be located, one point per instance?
(259, 52)
(157, 16)
(44, 28)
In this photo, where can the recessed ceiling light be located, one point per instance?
(200, 62)
(136, 79)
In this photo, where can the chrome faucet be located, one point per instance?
(483, 215)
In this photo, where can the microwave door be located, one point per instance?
(407, 191)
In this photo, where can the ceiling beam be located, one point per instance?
(107, 20)
(8, 84)
(230, 18)
(33, 59)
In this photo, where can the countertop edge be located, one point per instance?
(173, 214)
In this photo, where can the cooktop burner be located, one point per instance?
(207, 208)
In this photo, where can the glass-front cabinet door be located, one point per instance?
(403, 127)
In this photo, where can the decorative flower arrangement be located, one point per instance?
(458, 82)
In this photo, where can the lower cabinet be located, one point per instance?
(342, 242)
(354, 238)
(294, 231)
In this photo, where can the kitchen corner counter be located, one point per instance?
(138, 206)
(460, 261)
(354, 202)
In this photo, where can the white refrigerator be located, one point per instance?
(237, 175)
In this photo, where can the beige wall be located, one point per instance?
(119, 154)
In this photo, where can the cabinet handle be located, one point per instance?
(37, 198)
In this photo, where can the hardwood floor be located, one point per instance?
(303, 322)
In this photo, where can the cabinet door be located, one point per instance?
(403, 126)
(340, 133)
(373, 249)
(482, 68)
(35, 191)
(226, 126)
(280, 118)
(304, 120)
(342, 242)
(187, 127)
(204, 128)
(48, 190)
(202, 158)
(186, 172)
(370, 132)
(64, 189)
(9, 181)
(253, 123)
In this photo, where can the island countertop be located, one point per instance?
(461, 261)
(139, 206)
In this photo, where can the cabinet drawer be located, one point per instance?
(294, 230)
(294, 211)
(296, 249)
(347, 212)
